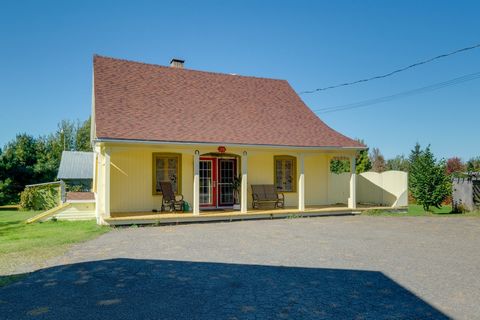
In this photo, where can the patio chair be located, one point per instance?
(267, 194)
(169, 199)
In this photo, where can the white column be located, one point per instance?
(352, 200)
(244, 189)
(301, 184)
(196, 183)
(106, 178)
(96, 176)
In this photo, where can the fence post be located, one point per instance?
(62, 192)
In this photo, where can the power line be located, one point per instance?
(392, 72)
(433, 87)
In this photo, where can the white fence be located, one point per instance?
(389, 188)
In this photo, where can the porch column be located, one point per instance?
(106, 181)
(244, 195)
(352, 200)
(196, 183)
(301, 183)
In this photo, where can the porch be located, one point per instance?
(127, 179)
(128, 218)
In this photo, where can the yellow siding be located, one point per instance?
(131, 180)
(316, 180)
(131, 175)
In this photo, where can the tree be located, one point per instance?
(473, 165)
(17, 163)
(82, 141)
(455, 165)
(429, 183)
(378, 161)
(28, 160)
(362, 162)
(414, 154)
(339, 166)
(399, 163)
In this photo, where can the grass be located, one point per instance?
(415, 210)
(23, 245)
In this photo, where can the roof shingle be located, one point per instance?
(139, 101)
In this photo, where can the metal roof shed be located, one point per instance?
(76, 165)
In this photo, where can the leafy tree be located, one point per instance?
(429, 183)
(82, 141)
(66, 134)
(28, 160)
(399, 163)
(4, 190)
(17, 167)
(339, 166)
(362, 163)
(473, 165)
(48, 158)
(378, 161)
(455, 165)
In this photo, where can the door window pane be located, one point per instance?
(227, 174)
(205, 174)
(285, 173)
(167, 168)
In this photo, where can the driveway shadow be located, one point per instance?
(159, 289)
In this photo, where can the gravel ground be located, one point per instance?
(356, 267)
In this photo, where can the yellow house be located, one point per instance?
(200, 131)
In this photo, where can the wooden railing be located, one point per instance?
(61, 189)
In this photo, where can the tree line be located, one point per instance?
(375, 161)
(29, 160)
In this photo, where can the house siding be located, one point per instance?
(131, 175)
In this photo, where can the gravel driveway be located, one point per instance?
(354, 267)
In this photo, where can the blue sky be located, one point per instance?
(46, 54)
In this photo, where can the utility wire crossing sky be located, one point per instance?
(404, 94)
(395, 71)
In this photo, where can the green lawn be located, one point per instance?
(415, 210)
(22, 244)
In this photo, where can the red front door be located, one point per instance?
(208, 182)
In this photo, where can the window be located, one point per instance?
(285, 173)
(167, 167)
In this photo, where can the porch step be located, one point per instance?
(47, 214)
(165, 219)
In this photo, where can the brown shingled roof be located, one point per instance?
(139, 101)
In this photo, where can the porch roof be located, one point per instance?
(145, 102)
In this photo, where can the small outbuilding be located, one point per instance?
(76, 170)
(466, 192)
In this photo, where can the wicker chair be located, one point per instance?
(267, 194)
(169, 199)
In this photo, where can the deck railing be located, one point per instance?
(61, 189)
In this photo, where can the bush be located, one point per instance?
(39, 198)
(75, 188)
(429, 183)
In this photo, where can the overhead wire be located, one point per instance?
(444, 55)
(429, 88)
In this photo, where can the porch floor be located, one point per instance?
(125, 218)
